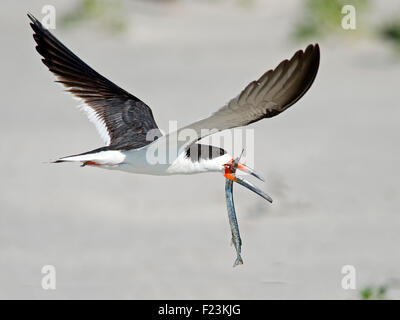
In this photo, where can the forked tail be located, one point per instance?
(98, 157)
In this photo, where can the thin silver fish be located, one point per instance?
(236, 239)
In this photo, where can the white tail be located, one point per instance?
(110, 157)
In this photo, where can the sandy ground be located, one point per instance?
(331, 164)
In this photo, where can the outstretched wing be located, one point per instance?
(121, 119)
(266, 97)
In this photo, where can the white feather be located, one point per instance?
(97, 121)
(183, 165)
(92, 116)
(111, 157)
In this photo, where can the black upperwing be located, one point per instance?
(122, 119)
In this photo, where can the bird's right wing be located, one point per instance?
(121, 119)
(274, 92)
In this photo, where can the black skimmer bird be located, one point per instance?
(131, 134)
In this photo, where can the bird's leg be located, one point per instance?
(236, 240)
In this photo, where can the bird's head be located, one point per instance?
(230, 173)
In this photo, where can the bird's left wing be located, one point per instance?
(121, 119)
(274, 92)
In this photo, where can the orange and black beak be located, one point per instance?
(230, 169)
(232, 165)
(244, 168)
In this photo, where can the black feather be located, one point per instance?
(127, 118)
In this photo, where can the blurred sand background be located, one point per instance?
(331, 162)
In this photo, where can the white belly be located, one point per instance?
(136, 162)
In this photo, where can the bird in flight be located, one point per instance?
(131, 135)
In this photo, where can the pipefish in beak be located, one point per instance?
(230, 175)
(236, 240)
